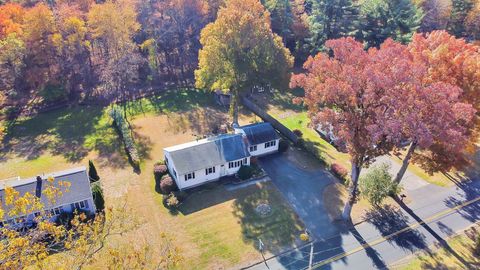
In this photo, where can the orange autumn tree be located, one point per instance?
(348, 92)
(11, 19)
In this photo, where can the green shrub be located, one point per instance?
(97, 193)
(167, 185)
(92, 172)
(377, 184)
(245, 172)
(477, 245)
(282, 146)
(53, 92)
(298, 133)
(160, 162)
(124, 130)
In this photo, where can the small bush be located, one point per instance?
(124, 130)
(304, 237)
(339, 170)
(53, 92)
(172, 201)
(159, 171)
(97, 193)
(477, 245)
(377, 184)
(298, 133)
(282, 146)
(160, 162)
(92, 172)
(167, 185)
(245, 172)
(300, 142)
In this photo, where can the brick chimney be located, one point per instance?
(38, 188)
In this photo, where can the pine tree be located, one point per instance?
(330, 19)
(381, 19)
(92, 172)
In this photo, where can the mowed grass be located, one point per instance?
(313, 141)
(226, 228)
(218, 229)
(462, 244)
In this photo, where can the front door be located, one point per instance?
(223, 170)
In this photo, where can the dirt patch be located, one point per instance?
(334, 198)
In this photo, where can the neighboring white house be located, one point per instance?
(77, 196)
(261, 137)
(198, 162)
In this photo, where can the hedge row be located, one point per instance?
(124, 130)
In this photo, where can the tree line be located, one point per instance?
(66, 50)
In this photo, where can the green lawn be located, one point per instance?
(442, 259)
(313, 141)
(226, 228)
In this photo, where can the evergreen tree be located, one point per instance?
(330, 19)
(381, 19)
(281, 17)
(460, 10)
(92, 172)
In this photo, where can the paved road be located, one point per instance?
(434, 214)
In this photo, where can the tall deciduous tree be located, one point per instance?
(382, 19)
(240, 51)
(436, 14)
(346, 92)
(460, 10)
(473, 22)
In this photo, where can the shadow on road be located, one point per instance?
(440, 240)
(371, 252)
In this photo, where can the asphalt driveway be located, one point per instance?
(304, 190)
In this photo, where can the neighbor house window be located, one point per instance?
(56, 211)
(80, 205)
(189, 176)
(244, 161)
(253, 148)
(209, 170)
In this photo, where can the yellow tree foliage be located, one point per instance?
(80, 243)
(241, 51)
(114, 23)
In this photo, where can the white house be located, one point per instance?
(261, 137)
(198, 162)
(77, 196)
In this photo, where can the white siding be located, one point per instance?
(261, 150)
(201, 177)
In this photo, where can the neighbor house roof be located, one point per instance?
(259, 133)
(78, 190)
(209, 152)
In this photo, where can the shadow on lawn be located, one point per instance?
(278, 229)
(63, 132)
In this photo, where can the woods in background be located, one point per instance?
(68, 50)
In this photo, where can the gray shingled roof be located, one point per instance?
(208, 153)
(259, 133)
(79, 187)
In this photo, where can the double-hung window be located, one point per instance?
(209, 170)
(270, 144)
(189, 176)
(253, 148)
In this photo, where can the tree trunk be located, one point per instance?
(234, 106)
(347, 210)
(406, 161)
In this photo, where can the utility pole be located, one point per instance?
(310, 261)
(260, 247)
